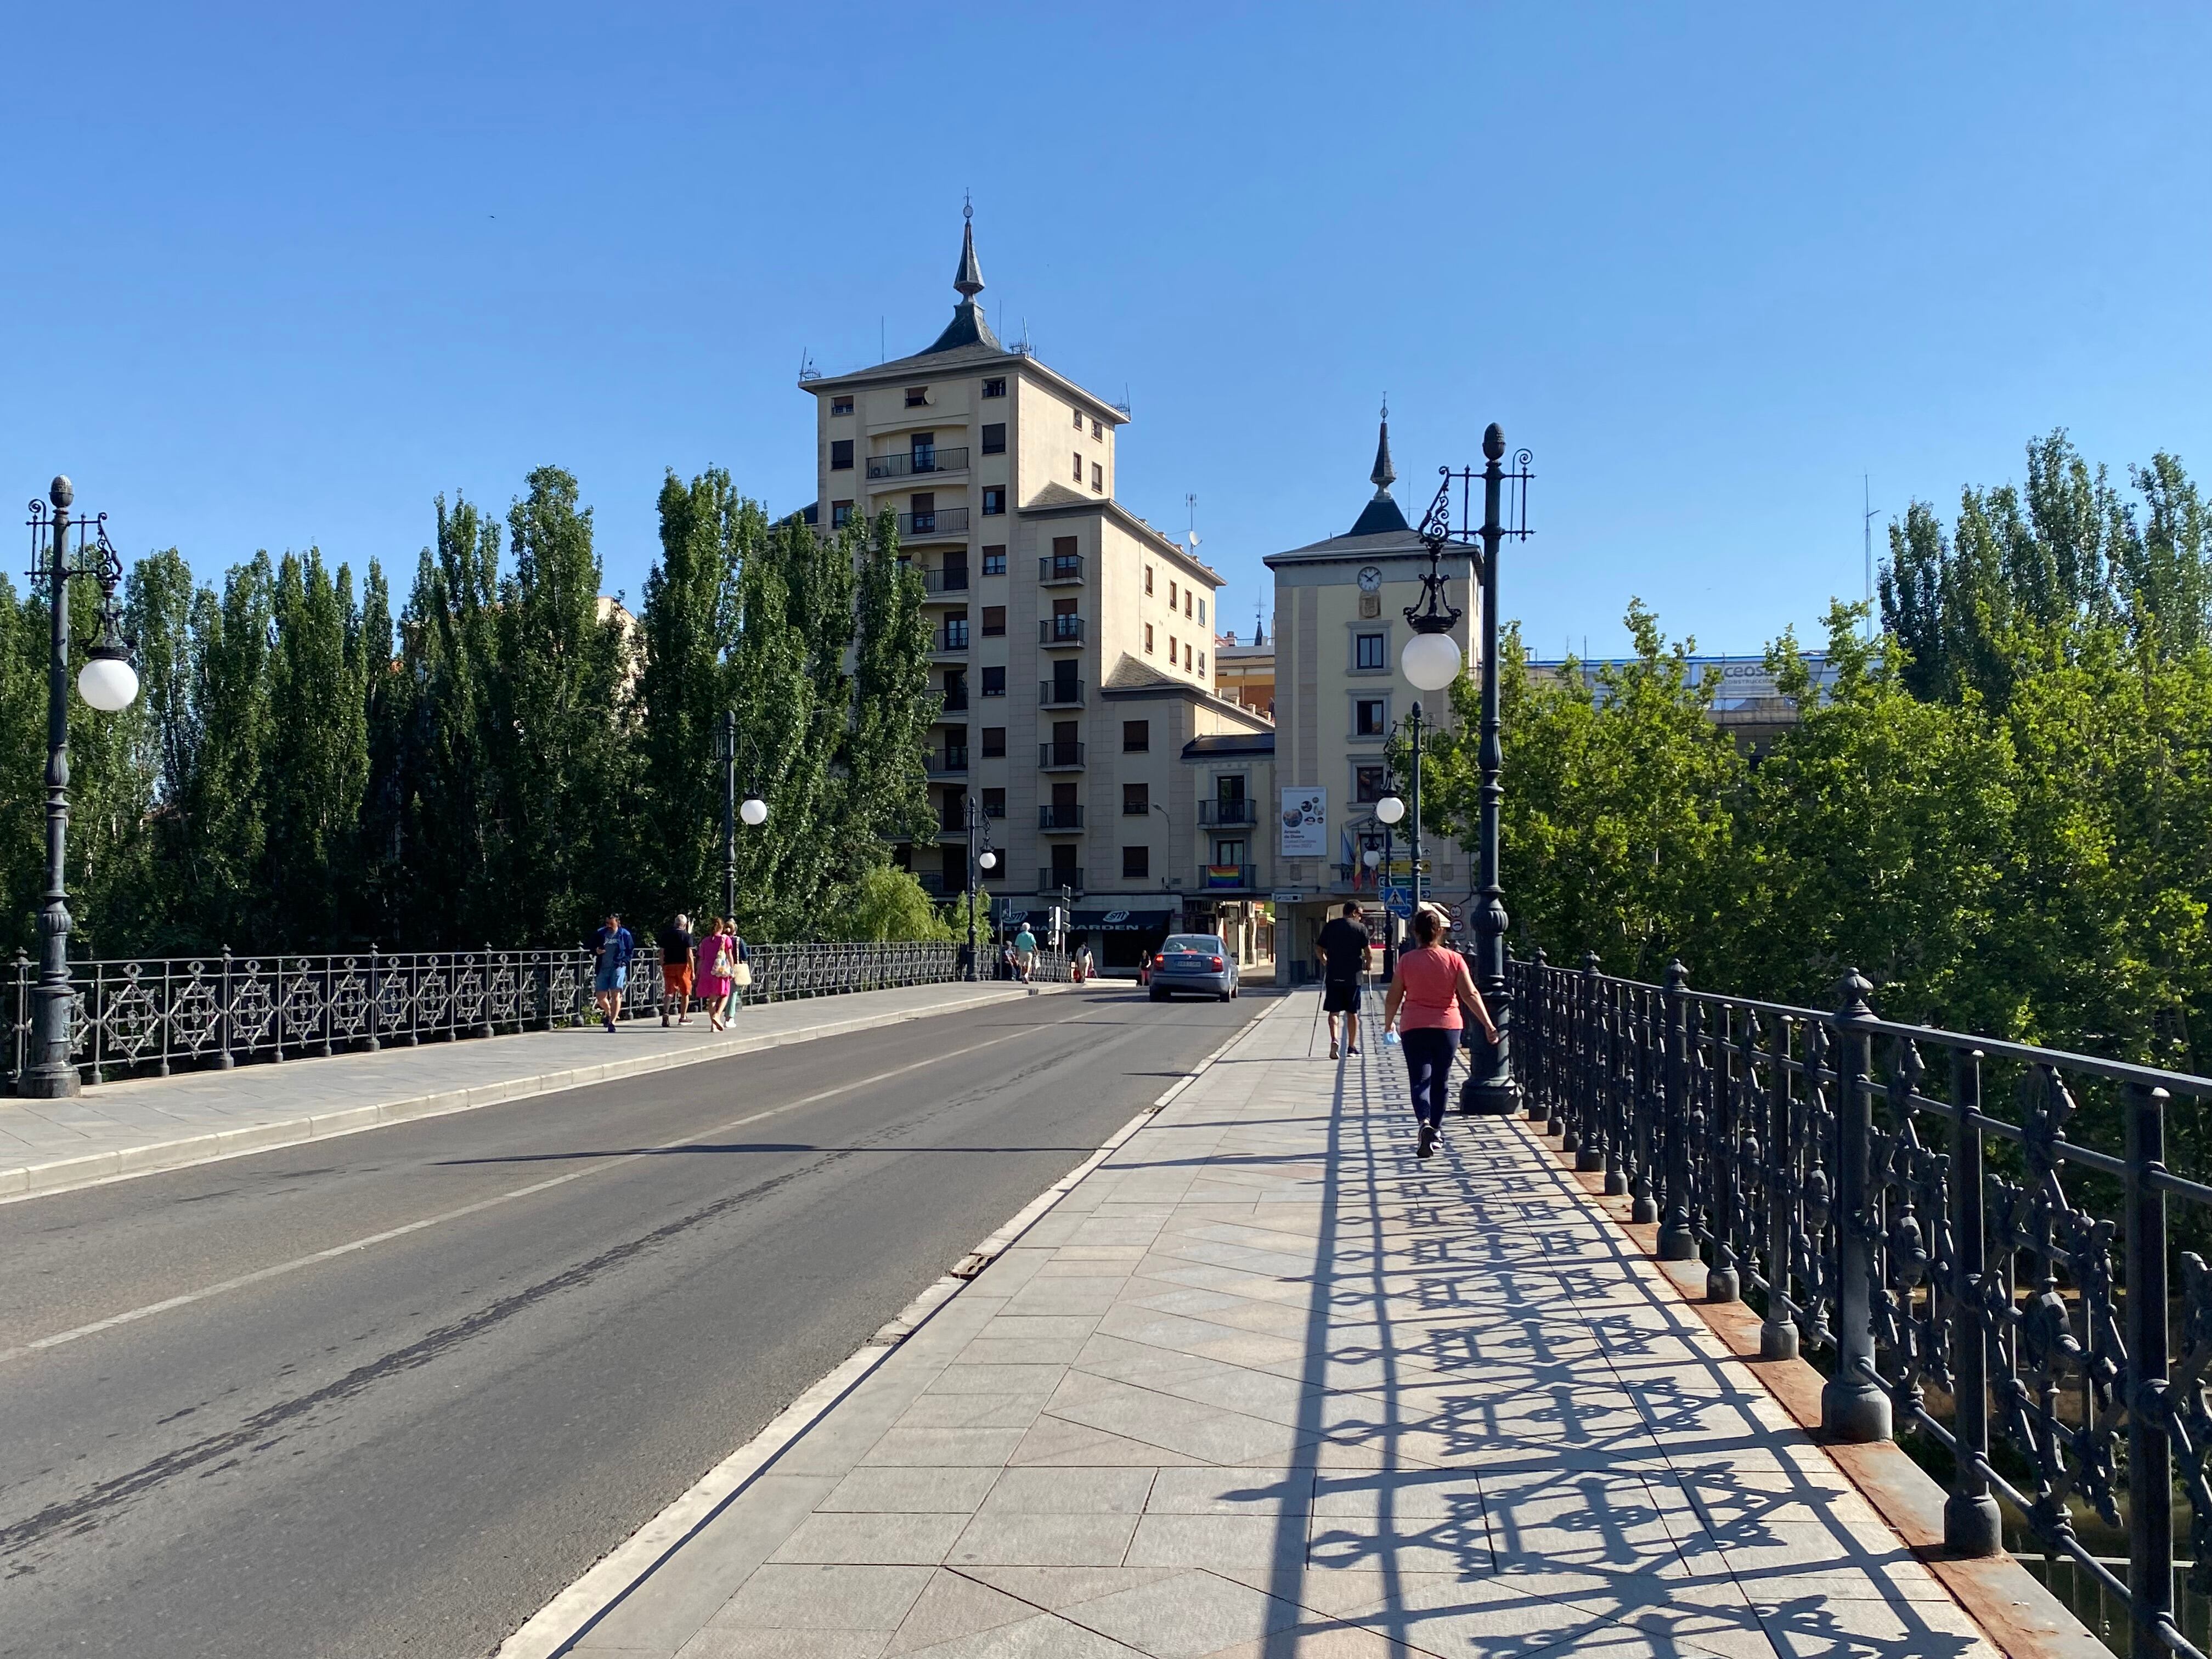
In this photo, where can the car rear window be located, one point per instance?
(1205, 944)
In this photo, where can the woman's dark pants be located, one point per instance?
(1428, 1068)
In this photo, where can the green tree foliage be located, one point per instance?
(504, 761)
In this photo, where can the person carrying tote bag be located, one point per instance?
(741, 970)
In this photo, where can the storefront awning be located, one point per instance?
(1120, 922)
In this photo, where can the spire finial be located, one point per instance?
(1384, 474)
(967, 281)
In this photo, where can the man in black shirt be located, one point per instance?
(677, 947)
(1342, 948)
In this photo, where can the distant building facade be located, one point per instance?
(1747, 706)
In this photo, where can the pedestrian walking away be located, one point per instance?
(613, 949)
(677, 950)
(717, 958)
(1084, 966)
(1024, 953)
(1426, 993)
(1342, 948)
(741, 971)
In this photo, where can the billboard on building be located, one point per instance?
(1305, 823)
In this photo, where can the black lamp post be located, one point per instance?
(1431, 662)
(107, 682)
(753, 812)
(984, 859)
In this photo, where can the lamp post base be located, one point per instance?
(48, 1082)
(1856, 1414)
(1496, 1096)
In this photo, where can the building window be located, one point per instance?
(840, 515)
(840, 405)
(1201, 662)
(994, 438)
(1097, 431)
(1175, 651)
(1136, 862)
(1136, 737)
(1078, 466)
(840, 454)
(995, 800)
(1370, 651)
(1148, 579)
(1136, 799)
(1079, 418)
(1186, 659)
(1148, 639)
(1097, 478)
(916, 396)
(1368, 785)
(1201, 609)
(995, 387)
(995, 561)
(994, 748)
(994, 620)
(1188, 593)
(1171, 596)
(994, 682)
(1369, 718)
(995, 500)
(1229, 852)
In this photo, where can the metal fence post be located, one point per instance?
(1536, 1101)
(224, 1059)
(1725, 1161)
(375, 1000)
(1676, 1241)
(1971, 1524)
(1589, 1148)
(1853, 1405)
(2150, 1475)
(484, 1027)
(1778, 1331)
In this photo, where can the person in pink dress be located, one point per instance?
(1426, 993)
(718, 959)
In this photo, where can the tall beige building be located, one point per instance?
(1073, 641)
(1340, 624)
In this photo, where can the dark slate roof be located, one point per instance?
(1379, 517)
(1230, 743)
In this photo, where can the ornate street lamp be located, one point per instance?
(754, 812)
(107, 682)
(982, 859)
(1493, 1089)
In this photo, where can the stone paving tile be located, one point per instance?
(1265, 1385)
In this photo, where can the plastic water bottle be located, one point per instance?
(1390, 1037)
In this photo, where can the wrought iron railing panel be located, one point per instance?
(156, 1016)
(1994, 1280)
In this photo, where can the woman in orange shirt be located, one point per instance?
(1426, 993)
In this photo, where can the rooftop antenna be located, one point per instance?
(1866, 536)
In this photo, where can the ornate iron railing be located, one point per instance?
(1990, 1281)
(157, 1015)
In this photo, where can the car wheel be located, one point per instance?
(1226, 995)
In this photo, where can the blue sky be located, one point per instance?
(281, 275)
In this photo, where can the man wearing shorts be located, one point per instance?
(677, 945)
(612, 947)
(1342, 948)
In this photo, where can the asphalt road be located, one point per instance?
(407, 1448)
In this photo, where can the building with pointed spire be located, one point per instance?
(1073, 641)
(1340, 623)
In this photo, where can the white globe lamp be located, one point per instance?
(108, 684)
(1432, 661)
(1370, 858)
(754, 812)
(1390, 809)
(988, 859)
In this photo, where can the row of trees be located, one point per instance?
(2001, 812)
(504, 758)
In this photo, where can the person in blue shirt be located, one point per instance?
(612, 947)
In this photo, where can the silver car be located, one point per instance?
(1194, 962)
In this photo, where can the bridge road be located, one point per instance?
(574, 1306)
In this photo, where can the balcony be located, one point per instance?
(933, 882)
(934, 582)
(953, 636)
(1229, 879)
(1060, 630)
(1069, 876)
(920, 463)
(1059, 817)
(1060, 757)
(1059, 693)
(1226, 812)
(950, 762)
(944, 521)
(1056, 568)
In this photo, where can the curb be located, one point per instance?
(572, 1613)
(126, 1163)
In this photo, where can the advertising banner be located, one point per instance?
(1305, 823)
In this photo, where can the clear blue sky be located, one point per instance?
(277, 277)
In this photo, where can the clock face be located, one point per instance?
(1370, 579)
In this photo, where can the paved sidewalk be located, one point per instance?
(1265, 1385)
(145, 1125)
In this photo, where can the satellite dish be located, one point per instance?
(1192, 539)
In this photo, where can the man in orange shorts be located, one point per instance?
(678, 948)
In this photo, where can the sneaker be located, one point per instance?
(609, 1020)
(1332, 1051)
(1353, 1049)
(664, 1022)
(1428, 1139)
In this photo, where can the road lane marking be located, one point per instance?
(278, 1269)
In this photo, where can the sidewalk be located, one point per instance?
(1264, 1385)
(148, 1124)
